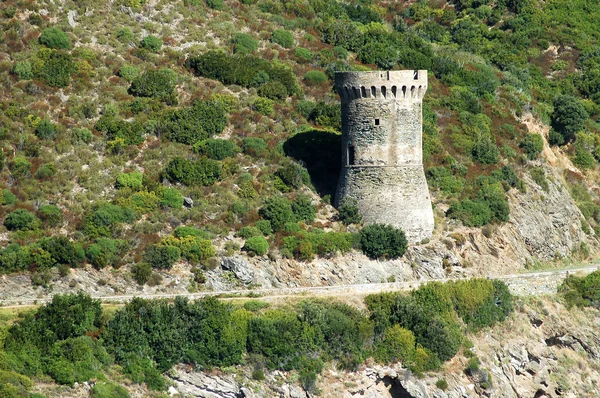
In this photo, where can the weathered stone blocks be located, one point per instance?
(382, 149)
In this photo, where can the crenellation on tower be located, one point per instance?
(382, 156)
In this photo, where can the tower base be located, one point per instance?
(395, 195)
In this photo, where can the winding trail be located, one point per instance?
(525, 284)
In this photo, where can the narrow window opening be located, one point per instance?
(351, 155)
(416, 75)
(376, 122)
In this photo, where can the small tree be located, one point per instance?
(348, 213)
(21, 219)
(569, 116)
(283, 38)
(379, 240)
(278, 210)
(45, 130)
(532, 145)
(256, 245)
(151, 43)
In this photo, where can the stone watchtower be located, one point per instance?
(382, 157)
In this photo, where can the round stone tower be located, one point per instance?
(382, 159)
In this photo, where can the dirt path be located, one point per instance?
(534, 283)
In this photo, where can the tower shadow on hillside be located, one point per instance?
(320, 152)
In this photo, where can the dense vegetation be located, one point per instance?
(103, 133)
(71, 339)
(582, 291)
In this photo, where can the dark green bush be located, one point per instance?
(472, 213)
(21, 219)
(253, 146)
(190, 125)
(7, 197)
(151, 43)
(141, 273)
(57, 69)
(50, 215)
(105, 252)
(378, 240)
(349, 213)
(182, 232)
(248, 232)
(215, 148)
(569, 117)
(278, 210)
(215, 4)
(485, 151)
(256, 245)
(45, 130)
(582, 291)
(532, 145)
(273, 91)
(244, 43)
(201, 172)
(264, 226)
(303, 54)
(161, 256)
(62, 250)
(155, 83)
(104, 218)
(303, 209)
(283, 38)
(55, 38)
(108, 390)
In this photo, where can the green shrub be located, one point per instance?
(485, 151)
(397, 344)
(155, 83)
(105, 252)
(19, 167)
(264, 226)
(303, 54)
(256, 245)
(244, 43)
(46, 170)
(348, 212)
(193, 248)
(104, 218)
(182, 232)
(129, 72)
(23, 70)
(55, 38)
(283, 38)
(125, 35)
(171, 197)
(264, 106)
(538, 175)
(196, 123)
(50, 214)
(581, 291)
(62, 250)
(217, 149)
(291, 176)
(569, 117)
(7, 197)
(131, 180)
(493, 195)
(273, 90)
(21, 219)
(255, 147)
(532, 144)
(442, 384)
(45, 130)
(57, 69)
(278, 210)
(315, 78)
(81, 135)
(201, 172)
(215, 4)
(583, 158)
(248, 232)
(472, 213)
(378, 240)
(141, 272)
(161, 256)
(303, 209)
(151, 43)
(108, 390)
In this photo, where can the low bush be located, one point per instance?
(278, 210)
(532, 145)
(273, 91)
(155, 83)
(151, 43)
(582, 291)
(45, 130)
(131, 180)
(256, 245)
(141, 273)
(472, 213)
(315, 78)
(161, 256)
(303, 54)
(57, 68)
(378, 240)
(23, 71)
(348, 212)
(50, 215)
(7, 197)
(217, 149)
(244, 43)
(254, 146)
(106, 251)
(283, 38)
(196, 123)
(201, 172)
(55, 38)
(171, 197)
(21, 219)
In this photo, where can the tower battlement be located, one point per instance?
(404, 84)
(382, 155)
